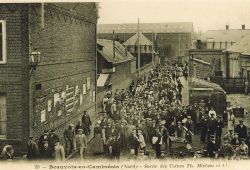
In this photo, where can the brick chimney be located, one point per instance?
(243, 27)
(227, 27)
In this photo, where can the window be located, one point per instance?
(2, 42)
(3, 116)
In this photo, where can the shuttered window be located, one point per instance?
(2, 42)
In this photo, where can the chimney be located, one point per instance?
(243, 27)
(227, 27)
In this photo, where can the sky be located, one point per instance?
(205, 14)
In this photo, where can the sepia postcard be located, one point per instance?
(125, 84)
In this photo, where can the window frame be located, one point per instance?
(4, 49)
(4, 136)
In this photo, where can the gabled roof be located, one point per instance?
(107, 51)
(174, 27)
(242, 46)
(233, 35)
(134, 40)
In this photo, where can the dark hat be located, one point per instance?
(225, 139)
(52, 130)
(243, 139)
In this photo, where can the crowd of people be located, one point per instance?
(148, 119)
(49, 146)
(150, 114)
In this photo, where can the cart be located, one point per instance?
(238, 111)
(177, 147)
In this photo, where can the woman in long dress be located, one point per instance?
(98, 140)
(231, 121)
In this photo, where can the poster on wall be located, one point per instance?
(63, 95)
(93, 96)
(56, 98)
(81, 99)
(90, 96)
(88, 83)
(43, 116)
(49, 105)
(84, 89)
(59, 113)
(76, 89)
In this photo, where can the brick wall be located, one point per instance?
(67, 44)
(199, 69)
(14, 77)
(214, 57)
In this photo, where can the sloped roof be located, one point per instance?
(242, 46)
(134, 40)
(200, 83)
(174, 27)
(233, 35)
(107, 51)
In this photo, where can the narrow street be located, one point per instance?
(185, 91)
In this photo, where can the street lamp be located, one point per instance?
(34, 59)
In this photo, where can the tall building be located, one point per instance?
(47, 67)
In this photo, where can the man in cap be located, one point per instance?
(203, 126)
(226, 151)
(86, 121)
(211, 124)
(79, 125)
(32, 149)
(52, 139)
(165, 135)
(69, 137)
(81, 143)
(241, 129)
(179, 130)
(243, 149)
(189, 123)
(43, 144)
(211, 147)
(218, 130)
(230, 135)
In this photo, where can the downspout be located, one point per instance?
(30, 78)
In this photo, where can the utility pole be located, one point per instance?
(139, 48)
(153, 58)
(113, 43)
